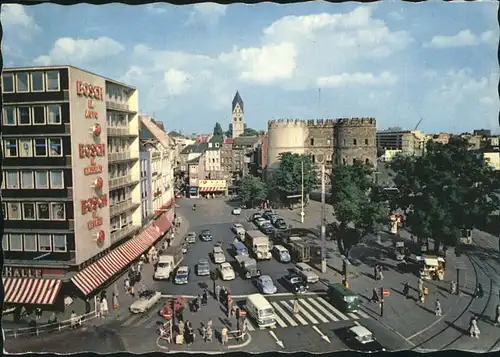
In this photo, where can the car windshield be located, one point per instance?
(227, 267)
(266, 280)
(365, 338)
(350, 299)
(238, 226)
(163, 265)
(205, 232)
(266, 312)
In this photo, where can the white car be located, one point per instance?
(226, 271)
(190, 238)
(218, 255)
(306, 272)
(146, 301)
(238, 228)
(236, 211)
(259, 221)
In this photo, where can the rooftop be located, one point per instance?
(245, 140)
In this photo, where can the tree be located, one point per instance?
(253, 190)
(218, 130)
(357, 205)
(229, 132)
(250, 132)
(287, 179)
(446, 191)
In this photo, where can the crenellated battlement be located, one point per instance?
(286, 123)
(320, 123)
(366, 122)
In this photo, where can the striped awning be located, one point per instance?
(164, 222)
(113, 262)
(90, 278)
(212, 189)
(31, 291)
(140, 243)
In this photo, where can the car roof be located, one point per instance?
(359, 330)
(226, 264)
(292, 275)
(238, 225)
(191, 233)
(302, 265)
(265, 277)
(205, 230)
(204, 261)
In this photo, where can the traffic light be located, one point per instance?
(213, 275)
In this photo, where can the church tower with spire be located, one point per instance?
(238, 121)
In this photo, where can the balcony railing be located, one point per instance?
(118, 131)
(121, 181)
(121, 207)
(120, 156)
(123, 232)
(116, 106)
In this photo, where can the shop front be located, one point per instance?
(194, 192)
(212, 188)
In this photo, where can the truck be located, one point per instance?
(258, 243)
(168, 261)
(299, 249)
(247, 266)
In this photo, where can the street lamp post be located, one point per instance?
(302, 214)
(323, 221)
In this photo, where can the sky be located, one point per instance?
(398, 62)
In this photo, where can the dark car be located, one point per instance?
(206, 235)
(359, 338)
(267, 229)
(280, 223)
(268, 214)
(295, 283)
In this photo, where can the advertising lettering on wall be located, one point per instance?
(16, 272)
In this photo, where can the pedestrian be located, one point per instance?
(453, 287)
(209, 334)
(437, 308)
(204, 299)
(473, 329)
(126, 285)
(38, 313)
(421, 298)
(203, 332)
(132, 291)
(116, 305)
(375, 272)
(497, 316)
(87, 306)
(140, 264)
(237, 313)
(375, 297)
(296, 308)
(229, 305)
(104, 307)
(223, 335)
(190, 333)
(217, 293)
(406, 289)
(479, 291)
(73, 320)
(380, 273)
(180, 326)
(186, 336)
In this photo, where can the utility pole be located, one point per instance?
(323, 221)
(302, 214)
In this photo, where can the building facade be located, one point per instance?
(411, 143)
(245, 156)
(72, 172)
(238, 116)
(146, 186)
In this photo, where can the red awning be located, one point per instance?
(90, 278)
(113, 262)
(212, 189)
(31, 291)
(164, 222)
(140, 243)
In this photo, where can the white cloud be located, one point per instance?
(67, 50)
(156, 9)
(358, 79)
(207, 13)
(462, 39)
(177, 82)
(14, 15)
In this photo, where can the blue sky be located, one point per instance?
(395, 61)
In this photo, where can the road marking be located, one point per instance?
(279, 321)
(323, 336)
(131, 320)
(323, 309)
(306, 314)
(314, 311)
(363, 314)
(332, 308)
(278, 342)
(285, 315)
(297, 316)
(353, 315)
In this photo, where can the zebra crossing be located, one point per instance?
(312, 311)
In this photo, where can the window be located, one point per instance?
(23, 116)
(27, 179)
(59, 241)
(37, 81)
(42, 210)
(5, 242)
(55, 146)
(8, 83)
(54, 114)
(56, 179)
(38, 115)
(12, 178)
(29, 211)
(10, 148)
(366, 141)
(30, 243)
(44, 243)
(14, 211)
(52, 80)
(42, 179)
(16, 242)
(9, 116)
(4, 211)
(25, 148)
(22, 80)
(3, 181)
(312, 141)
(40, 147)
(354, 142)
(58, 212)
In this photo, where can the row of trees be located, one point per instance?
(442, 193)
(219, 132)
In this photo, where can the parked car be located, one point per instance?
(190, 237)
(295, 283)
(266, 228)
(182, 275)
(281, 254)
(147, 299)
(238, 228)
(218, 255)
(255, 216)
(202, 267)
(266, 285)
(258, 221)
(226, 272)
(306, 272)
(206, 235)
(280, 223)
(268, 213)
(236, 211)
(359, 338)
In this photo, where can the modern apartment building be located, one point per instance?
(71, 192)
(146, 184)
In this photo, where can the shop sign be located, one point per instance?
(91, 151)
(15, 272)
(89, 90)
(94, 203)
(212, 183)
